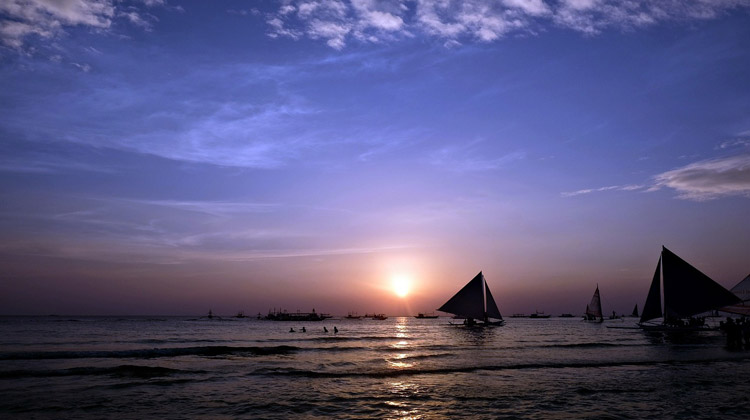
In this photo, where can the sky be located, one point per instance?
(168, 157)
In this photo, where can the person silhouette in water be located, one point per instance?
(291, 329)
(303, 329)
(325, 329)
(335, 330)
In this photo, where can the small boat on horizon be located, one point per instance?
(422, 315)
(594, 308)
(539, 315)
(353, 315)
(282, 315)
(376, 317)
(474, 302)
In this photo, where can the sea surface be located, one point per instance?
(192, 367)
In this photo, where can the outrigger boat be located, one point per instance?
(687, 292)
(474, 302)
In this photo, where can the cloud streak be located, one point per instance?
(633, 187)
(175, 231)
(338, 22)
(470, 158)
(699, 181)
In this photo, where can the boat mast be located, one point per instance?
(484, 297)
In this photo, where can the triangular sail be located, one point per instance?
(652, 308)
(594, 309)
(688, 292)
(742, 291)
(635, 311)
(492, 310)
(469, 301)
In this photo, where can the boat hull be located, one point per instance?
(479, 324)
(673, 328)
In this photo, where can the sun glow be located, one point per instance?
(401, 285)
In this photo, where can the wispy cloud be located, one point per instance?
(470, 157)
(252, 116)
(47, 19)
(735, 143)
(49, 166)
(174, 231)
(214, 208)
(698, 181)
(338, 22)
(633, 187)
(20, 158)
(709, 179)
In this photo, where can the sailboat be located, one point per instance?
(594, 309)
(687, 292)
(474, 302)
(742, 291)
(635, 312)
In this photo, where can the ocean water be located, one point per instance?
(182, 367)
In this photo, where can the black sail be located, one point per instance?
(469, 301)
(492, 309)
(652, 308)
(687, 291)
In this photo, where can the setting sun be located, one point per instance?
(401, 285)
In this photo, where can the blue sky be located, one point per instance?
(166, 157)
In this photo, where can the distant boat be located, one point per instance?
(566, 316)
(474, 302)
(353, 315)
(539, 315)
(296, 316)
(594, 308)
(422, 315)
(687, 292)
(210, 314)
(742, 291)
(377, 317)
(635, 311)
(240, 314)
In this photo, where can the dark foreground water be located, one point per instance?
(141, 367)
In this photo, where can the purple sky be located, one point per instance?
(167, 157)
